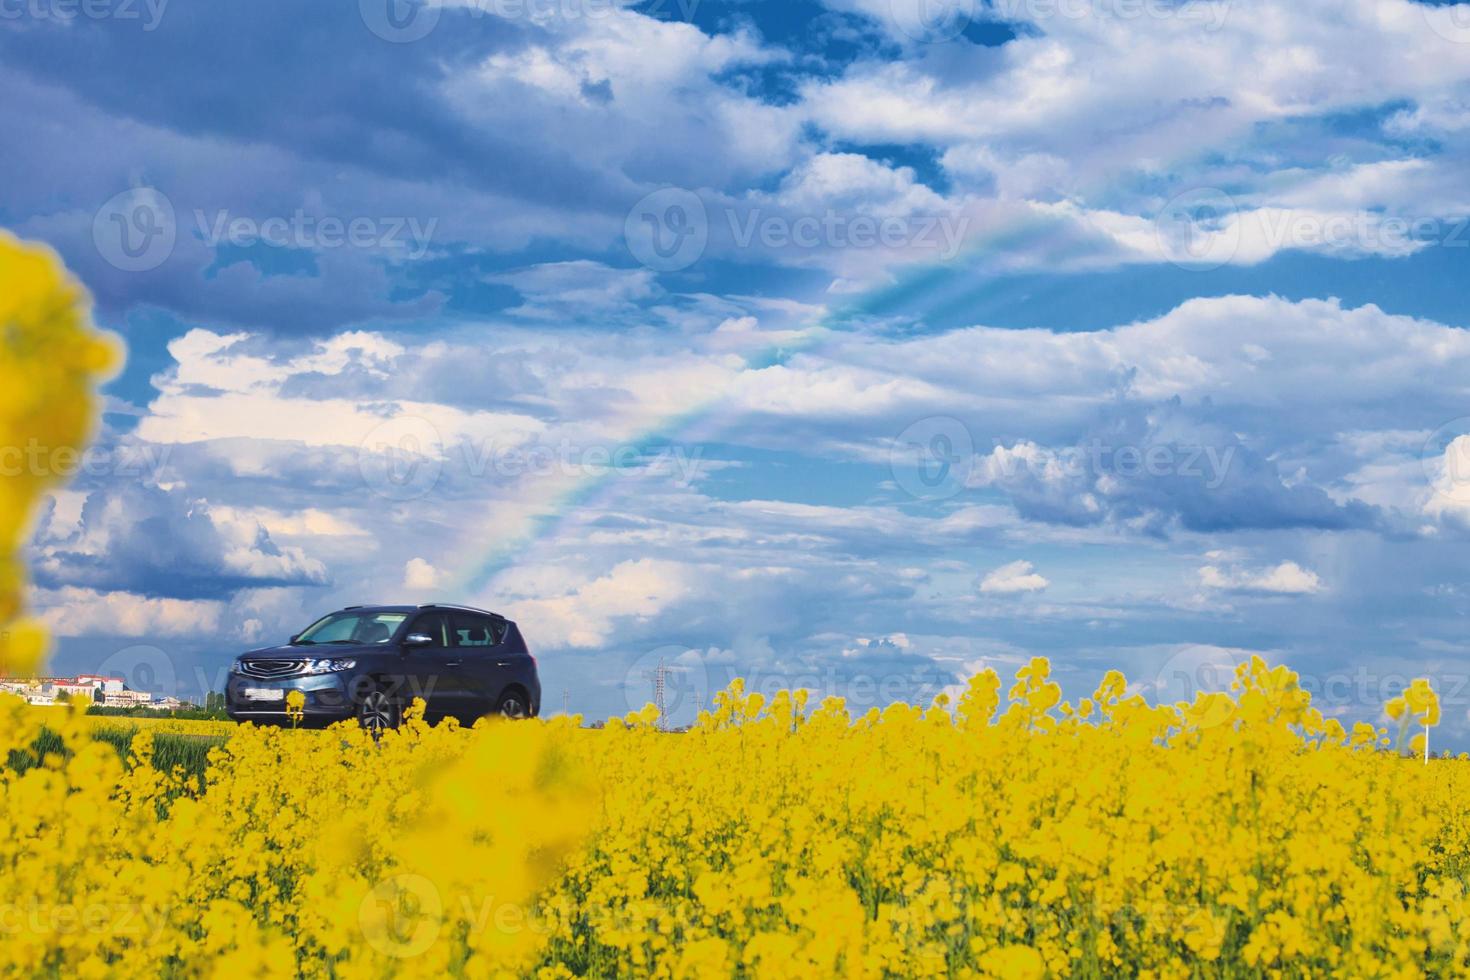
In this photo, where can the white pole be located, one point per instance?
(1426, 745)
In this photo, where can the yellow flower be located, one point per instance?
(1422, 702)
(1014, 963)
(51, 359)
(1395, 708)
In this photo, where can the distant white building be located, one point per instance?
(107, 684)
(97, 688)
(33, 695)
(70, 688)
(124, 698)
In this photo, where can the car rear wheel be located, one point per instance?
(377, 713)
(514, 704)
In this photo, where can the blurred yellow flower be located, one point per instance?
(51, 359)
(295, 706)
(1422, 702)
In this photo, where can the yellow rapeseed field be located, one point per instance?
(1015, 836)
(162, 725)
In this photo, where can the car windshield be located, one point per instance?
(352, 627)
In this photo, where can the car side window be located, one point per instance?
(473, 630)
(434, 625)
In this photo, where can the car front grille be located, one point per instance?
(272, 668)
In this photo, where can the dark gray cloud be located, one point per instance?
(1165, 467)
(158, 543)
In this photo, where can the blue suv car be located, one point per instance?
(371, 662)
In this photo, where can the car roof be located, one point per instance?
(426, 605)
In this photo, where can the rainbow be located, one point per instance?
(943, 287)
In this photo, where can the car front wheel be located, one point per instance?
(377, 713)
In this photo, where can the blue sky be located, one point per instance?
(852, 344)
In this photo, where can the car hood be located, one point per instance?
(324, 651)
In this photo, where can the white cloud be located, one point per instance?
(419, 575)
(73, 611)
(555, 289)
(1068, 116)
(581, 612)
(635, 95)
(311, 523)
(1287, 578)
(1017, 577)
(215, 393)
(158, 541)
(1448, 475)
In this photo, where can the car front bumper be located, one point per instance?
(328, 698)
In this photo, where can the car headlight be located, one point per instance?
(236, 668)
(329, 666)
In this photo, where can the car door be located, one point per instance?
(478, 640)
(432, 670)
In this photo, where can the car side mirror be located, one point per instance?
(294, 638)
(418, 640)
